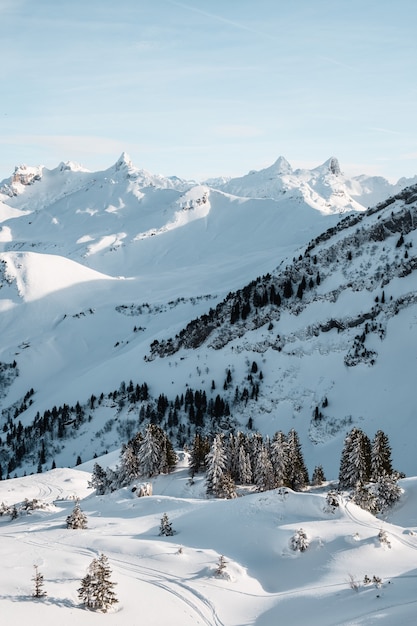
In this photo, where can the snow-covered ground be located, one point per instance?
(172, 579)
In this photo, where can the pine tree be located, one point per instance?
(226, 487)
(297, 471)
(264, 474)
(150, 452)
(216, 466)
(355, 463)
(299, 541)
(279, 459)
(96, 590)
(99, 480)
(318, 477)
(244, 467)
(165, 528)
(199, 451)
(221, 567)
(380, 456)
(129, 464)
(77, 519)
(38, 590)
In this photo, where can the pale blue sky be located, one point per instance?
(202, 88)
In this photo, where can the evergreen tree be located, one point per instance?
(264, 474)
(380, 456)
(244, 467)
(279, 458)
(199, 451)
(38, 590)
(299, 541)
(96, 590)
(226, 487)
(355, 463)
(165, 528)
(99, 480)
(386, 491)
(221, 567)
(129, 464)
(156, 453)
(77, 519)
(297, 471)
(216, 466)
(318, 477)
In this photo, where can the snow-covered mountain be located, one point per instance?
(281, 300)
(325, 187)
(104, 273)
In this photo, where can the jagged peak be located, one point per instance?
(281, 166)
(124, 162)
(71, 166)
(333, 166)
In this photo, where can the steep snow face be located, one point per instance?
(37, 275)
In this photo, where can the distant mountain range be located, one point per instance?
(121, 276)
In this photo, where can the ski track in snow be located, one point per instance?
(201, 605)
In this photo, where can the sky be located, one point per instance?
(205, 88)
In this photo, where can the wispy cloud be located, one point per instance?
(223, 20)
(386, 131)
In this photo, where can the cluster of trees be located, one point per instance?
(249, 459)
(366, 470)
(148, 453)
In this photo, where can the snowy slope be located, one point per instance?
(173, 579)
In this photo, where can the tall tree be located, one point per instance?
(297, 471)
(380, 456)
(216, 466)
(279, 458)
(355, 462)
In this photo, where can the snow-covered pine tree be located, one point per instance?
(129, 464)
(96, 590)
(364, 497)
(98, 480)
(318, 477)
(232, 455)
(38, 583)
(383, 537)
(199, 451)
(156, 453)
(279, 458)
(216, 466)
(387, 491)
(355, 462)
(263, 473)
(297, 471)
(221, 567)
(244, 467)
(226, 487)
(150, 452)
(299, 541)
(77, 519)
(380, 456)
(165, 528)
